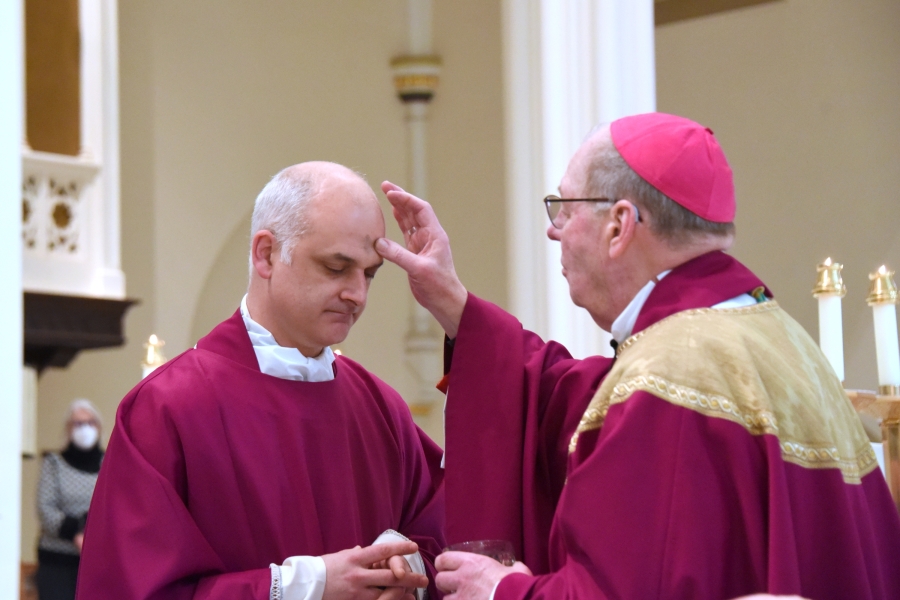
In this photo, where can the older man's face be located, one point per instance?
(580, 238)
(320, 295)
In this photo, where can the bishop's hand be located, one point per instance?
(468, 576)
(426, 258)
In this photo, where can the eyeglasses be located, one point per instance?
(554, 206)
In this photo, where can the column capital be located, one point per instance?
(416, 76)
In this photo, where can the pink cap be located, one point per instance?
(680, 158)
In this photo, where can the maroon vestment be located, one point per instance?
(660, 502)
(215, 470)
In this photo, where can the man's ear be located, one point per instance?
(262, 253)
(622, 227)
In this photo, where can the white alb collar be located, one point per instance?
(624, 324)
(285, 363)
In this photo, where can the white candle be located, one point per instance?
(829, 290)
(831, 332)
(886, 347)
(882, 298)
(153, 356)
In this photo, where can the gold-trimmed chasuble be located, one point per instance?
(754, 366)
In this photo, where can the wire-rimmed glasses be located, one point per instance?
(554, 206)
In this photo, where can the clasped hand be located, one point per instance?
(378, 572)
(467, 576)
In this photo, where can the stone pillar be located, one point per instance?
(415, 79)
(12, 93)
(568, 65)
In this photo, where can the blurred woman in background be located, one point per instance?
(64, 495)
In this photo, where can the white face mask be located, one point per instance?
(85, 436)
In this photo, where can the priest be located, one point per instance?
(258, 464)
(715, 456)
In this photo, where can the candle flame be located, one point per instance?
(153, 339)
(882, 270)
(338, 352)
(827, 262)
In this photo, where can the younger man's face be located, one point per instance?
(320, 295)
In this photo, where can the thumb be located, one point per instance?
(397, 254)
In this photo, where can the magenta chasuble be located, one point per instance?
(215, 470)
(750, 484)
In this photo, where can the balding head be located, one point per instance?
(312, 254)
(283, 206)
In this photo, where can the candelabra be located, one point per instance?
(883, 406)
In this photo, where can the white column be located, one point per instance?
(12, 63)
(569, 64)
(415, 77)
(419, 27)
(113, 276)
(98, 23)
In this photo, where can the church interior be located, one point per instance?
(215, 97)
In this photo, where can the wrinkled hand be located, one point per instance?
(353, 574)
(426, 259)
(467, 576)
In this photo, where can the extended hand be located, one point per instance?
(426, 259)
(349, 573)
(467, 576)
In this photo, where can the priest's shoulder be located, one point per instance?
(172, 382)
(360, 376)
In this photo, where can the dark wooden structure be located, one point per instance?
(57, 327)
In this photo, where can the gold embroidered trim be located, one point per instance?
(757, 423)
(754, 366)
(752, 309)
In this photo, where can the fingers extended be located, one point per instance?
(397, 254)
(387, 578)
(378, 552)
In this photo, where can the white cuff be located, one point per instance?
(414, 560)
(494, 591)
(298, 578)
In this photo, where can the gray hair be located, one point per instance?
(281, 208)
(86, 405)
(611, 177)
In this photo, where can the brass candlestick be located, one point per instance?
(883, 289)
(829, 281)
(885, 409)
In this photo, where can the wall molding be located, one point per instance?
(671, 11)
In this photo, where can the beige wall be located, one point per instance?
(218, 96)
(803, 95)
